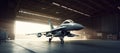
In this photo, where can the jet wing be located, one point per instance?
(53, 30)
(39, 34)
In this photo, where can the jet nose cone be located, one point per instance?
(75, 26)
(80, 26)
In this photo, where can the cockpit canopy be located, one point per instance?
(67, 21)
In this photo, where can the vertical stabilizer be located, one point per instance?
(50, 23)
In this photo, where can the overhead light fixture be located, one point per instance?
(65, 7)
(56, 4)
(118, 7)
(43, 8)
(57, 12)
(35, 14)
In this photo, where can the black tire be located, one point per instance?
(50, 40)
(39, 35)
(62, 42)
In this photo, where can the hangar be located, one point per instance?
(100, 17)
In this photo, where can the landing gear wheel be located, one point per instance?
(62, 41)
(50, 40)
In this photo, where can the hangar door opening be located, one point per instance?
(23, 28)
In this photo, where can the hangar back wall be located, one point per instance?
(107, 23)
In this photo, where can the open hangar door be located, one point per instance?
(28, 22)
(23, 28)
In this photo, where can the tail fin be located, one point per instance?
(51, 25)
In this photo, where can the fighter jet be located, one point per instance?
(62, 31)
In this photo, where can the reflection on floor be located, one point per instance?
(76, 46)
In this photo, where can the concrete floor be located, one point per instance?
(76, 46)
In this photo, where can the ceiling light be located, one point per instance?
(65, 7)
(118, 7)
(43, 8)
(57, 12)
(56, 4)
(70, 9)
(35, 14)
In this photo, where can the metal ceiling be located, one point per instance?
(75, 9)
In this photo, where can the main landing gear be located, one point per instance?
(50, 39)
(62, 40)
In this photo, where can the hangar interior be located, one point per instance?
(101, 19)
